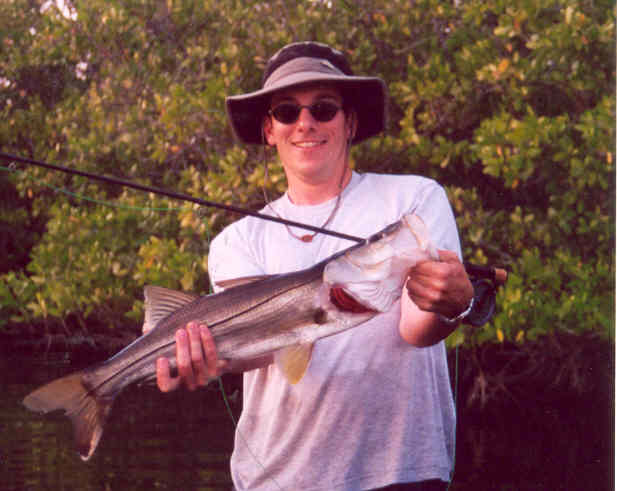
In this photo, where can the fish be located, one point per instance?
(280, 315)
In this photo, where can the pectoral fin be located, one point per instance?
(293, 361)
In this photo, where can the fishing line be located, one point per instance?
(224, 393)
(231, 415)
(87, 198)
(177, 195)
(493, 274)
(456, 415)
(13, 168)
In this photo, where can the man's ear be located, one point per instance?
(266, 130)
(352, 125)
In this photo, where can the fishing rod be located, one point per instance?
(496, 275)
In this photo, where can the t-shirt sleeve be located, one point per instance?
(434, 208)
(231, 257)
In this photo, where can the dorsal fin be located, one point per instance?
(241, 281)
(160, 302)
(293, 361)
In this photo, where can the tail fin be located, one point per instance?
(86, 411)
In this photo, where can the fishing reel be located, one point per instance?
(485, 280)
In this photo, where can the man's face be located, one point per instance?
(310, 149)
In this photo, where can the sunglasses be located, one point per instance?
(288, 112)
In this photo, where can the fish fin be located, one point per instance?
(161, 302)
(241, 281)
(86, 411)
(293, 361)
(420, 232)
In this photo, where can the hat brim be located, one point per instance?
(367, 95)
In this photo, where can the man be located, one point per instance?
(375, 407)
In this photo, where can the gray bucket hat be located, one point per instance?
(302, 63)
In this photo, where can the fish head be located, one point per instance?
(373, 274)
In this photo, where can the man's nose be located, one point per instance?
(305, 118)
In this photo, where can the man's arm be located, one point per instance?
(433, 289)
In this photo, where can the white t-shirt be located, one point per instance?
(371, 409)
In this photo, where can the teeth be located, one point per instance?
(307, 144)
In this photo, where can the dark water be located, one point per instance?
(182, 441)
(152, 441)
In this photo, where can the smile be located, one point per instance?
(309, 144)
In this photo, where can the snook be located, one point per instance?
(279, 314)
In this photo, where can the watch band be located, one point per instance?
(460, 316)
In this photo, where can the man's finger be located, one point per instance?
(200, 367)
(164, 380)
(448, 256)
(212, 357)
(183, 357)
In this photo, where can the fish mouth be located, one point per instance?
(345, 302)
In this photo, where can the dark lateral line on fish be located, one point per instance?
(496, 275)
(166, 345)
(179, 196)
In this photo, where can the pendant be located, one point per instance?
(307, 238)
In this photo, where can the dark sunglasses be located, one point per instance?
(288, 112)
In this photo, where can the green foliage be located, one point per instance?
(511, 105)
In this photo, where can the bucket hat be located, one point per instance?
(299, 64)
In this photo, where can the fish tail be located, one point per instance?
(86, 410)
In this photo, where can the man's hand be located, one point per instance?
(441, 286)
(197, 360)
(433, 287)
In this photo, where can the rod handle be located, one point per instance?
(497, 275)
